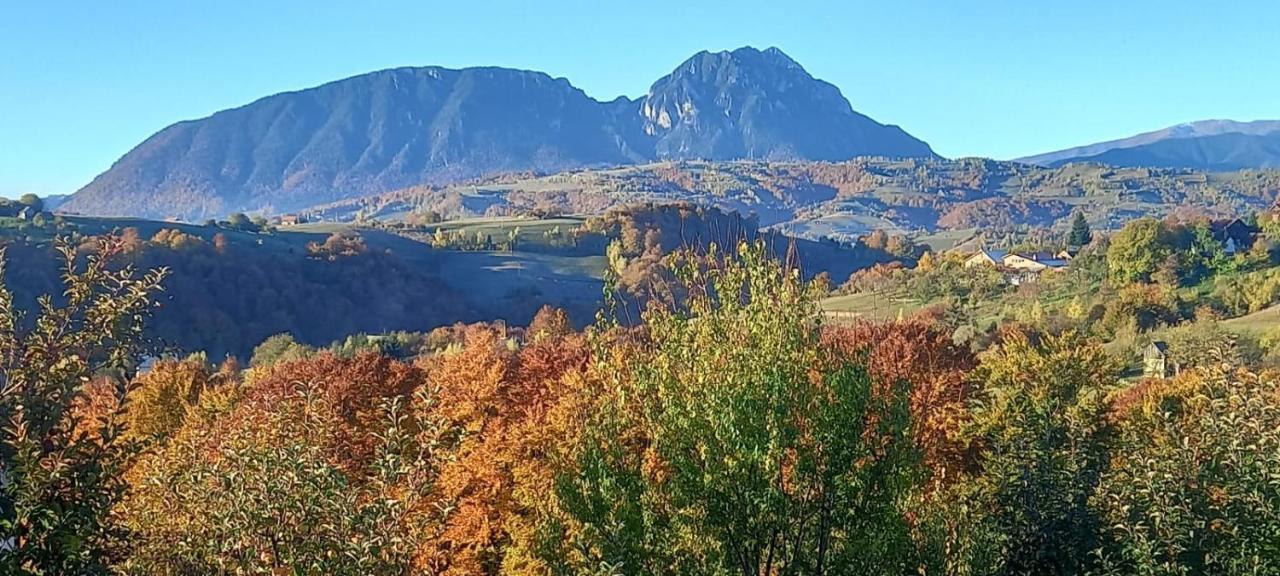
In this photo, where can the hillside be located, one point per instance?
(228, 289)
(1211, 145)
(395, 128)
(847, 199)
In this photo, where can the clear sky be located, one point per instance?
(82, 82)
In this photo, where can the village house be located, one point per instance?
(1235, 235)
(292, 220)
(986, 257)
(1019, 268)
(1035, 262)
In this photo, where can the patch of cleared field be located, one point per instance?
(867, 306)
(944, 240)
(841, 224)
(512, 285)
(532, 231)
(1255, 324)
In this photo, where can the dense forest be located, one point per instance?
(731, 430)
(223, 298)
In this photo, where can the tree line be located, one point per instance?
(730, 431)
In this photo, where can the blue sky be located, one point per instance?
(83, 82)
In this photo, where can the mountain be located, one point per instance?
(761, 105)
(1212, 145)
(396, 128)
(357, 136)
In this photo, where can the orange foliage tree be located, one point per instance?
(496, 402)
(316, 465)
(920, 354)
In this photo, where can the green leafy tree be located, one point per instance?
(62, 453)
(278, 348)
(240, 221)
(1137, 251)
(722, 447)
(1080, 234)
(33, 201)
(1039, 416)
(1205, 257)
(1193, 489)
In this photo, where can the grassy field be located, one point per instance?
(531, 230)
(944, 240)
(850, 307)
(1255, 324)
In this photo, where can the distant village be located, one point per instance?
(1234, 235)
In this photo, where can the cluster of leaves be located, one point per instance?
(726, 441)
(62, 451)
(338, 245)
(1178, 252)
(1194, 490)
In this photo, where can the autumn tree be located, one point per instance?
(338, 245)
(160, 398)
(62, 478)
(717, 447)
(549, 322)
(495, 402)
(1192, 488)
(921, 354)
(318, 465)
(1039, 417)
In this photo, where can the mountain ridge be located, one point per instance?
(1216, 145)
(404, 126)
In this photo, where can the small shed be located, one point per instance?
(1156, 362)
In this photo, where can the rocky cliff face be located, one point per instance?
(761, 105)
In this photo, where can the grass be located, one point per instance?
(1256, 324)
(944, 240)
(868, 306)
(531, 230)
(497, 285)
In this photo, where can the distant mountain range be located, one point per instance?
(392, 129)
(1211, 145)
